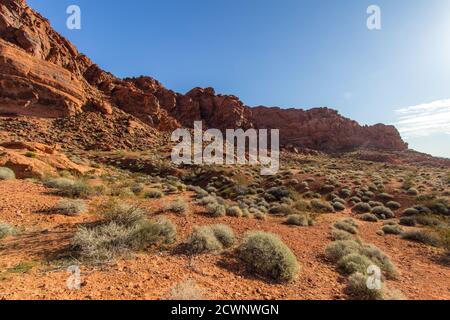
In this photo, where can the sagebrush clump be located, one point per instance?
(265, 254)
(70, 207)
(6, 174)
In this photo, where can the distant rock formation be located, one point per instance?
(43, 75)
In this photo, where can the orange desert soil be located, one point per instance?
(151, 275)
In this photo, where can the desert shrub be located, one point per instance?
(408, 221)
(70, 207)
(302, 205)
(78, 189)
(392, 229)
(362, 207)
(411, 212)
(386, 197)
(347, 225)
(355, 199)
(216, 210)
(6, 230)
(369, 217)
(393, 205)
(106, 241)
(267, 255)
(345, 193)
(421, 236)
(380, 259)
(327, 188)
(149, 232)
(412, 192)
(178, 206)
(338, 206)
(224, 234)
(186, 291)
(207, 200)
(321, 206)
(374, 204)
(339, 249)
(137, 188)
(120, 213)
(297, 220)
(58, 183)
(339, 235)
(279, 192)
(234, 211)
(383, 212)
(354, 262)
(357, 287)
(282, 209)
(6, 174)
(153, 194)
(428, 221)
(259, 215)
(203, 240)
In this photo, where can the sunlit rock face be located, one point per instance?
(43, 75)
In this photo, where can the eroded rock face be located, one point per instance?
(324, 129)
(43, 75)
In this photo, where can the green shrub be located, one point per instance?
(386, 197)
(216, 210)
(120, 213)
(362, 207)
(224, 234)
(393, 205)
(186, 291)
(411, 212)
(234, 211)
(298, 220)
(137, 188)
(408, 221)
(380, 259)
(339, 235)
(6, 230)
(153, 194)
(338, 206)
(383, 212)
(412, 192)
(392, 229)
(368, 217)
(302, 205)
(70, 207)
(102, 243)
(58, 183)
(282, 209)
(421, 236)
(347, 225)
(354, 262)
(267, 255)
(30, 154)
(321, 206)
(203, 240)
(178, 206)
(339, 249)
(6, 174)
(78, 189)
(358, 288)
(148, 232)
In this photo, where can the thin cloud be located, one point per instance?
(424, 119)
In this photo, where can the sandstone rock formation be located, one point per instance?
(35, 160)
(43, 75)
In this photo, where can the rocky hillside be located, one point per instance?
(43, 75)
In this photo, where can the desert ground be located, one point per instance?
(51, 223)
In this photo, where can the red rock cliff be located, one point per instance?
(43, 75)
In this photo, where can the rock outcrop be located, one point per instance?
(43, 75)
(324, 129)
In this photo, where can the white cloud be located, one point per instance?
(424, 119)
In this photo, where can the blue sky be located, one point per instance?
(286, 53)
